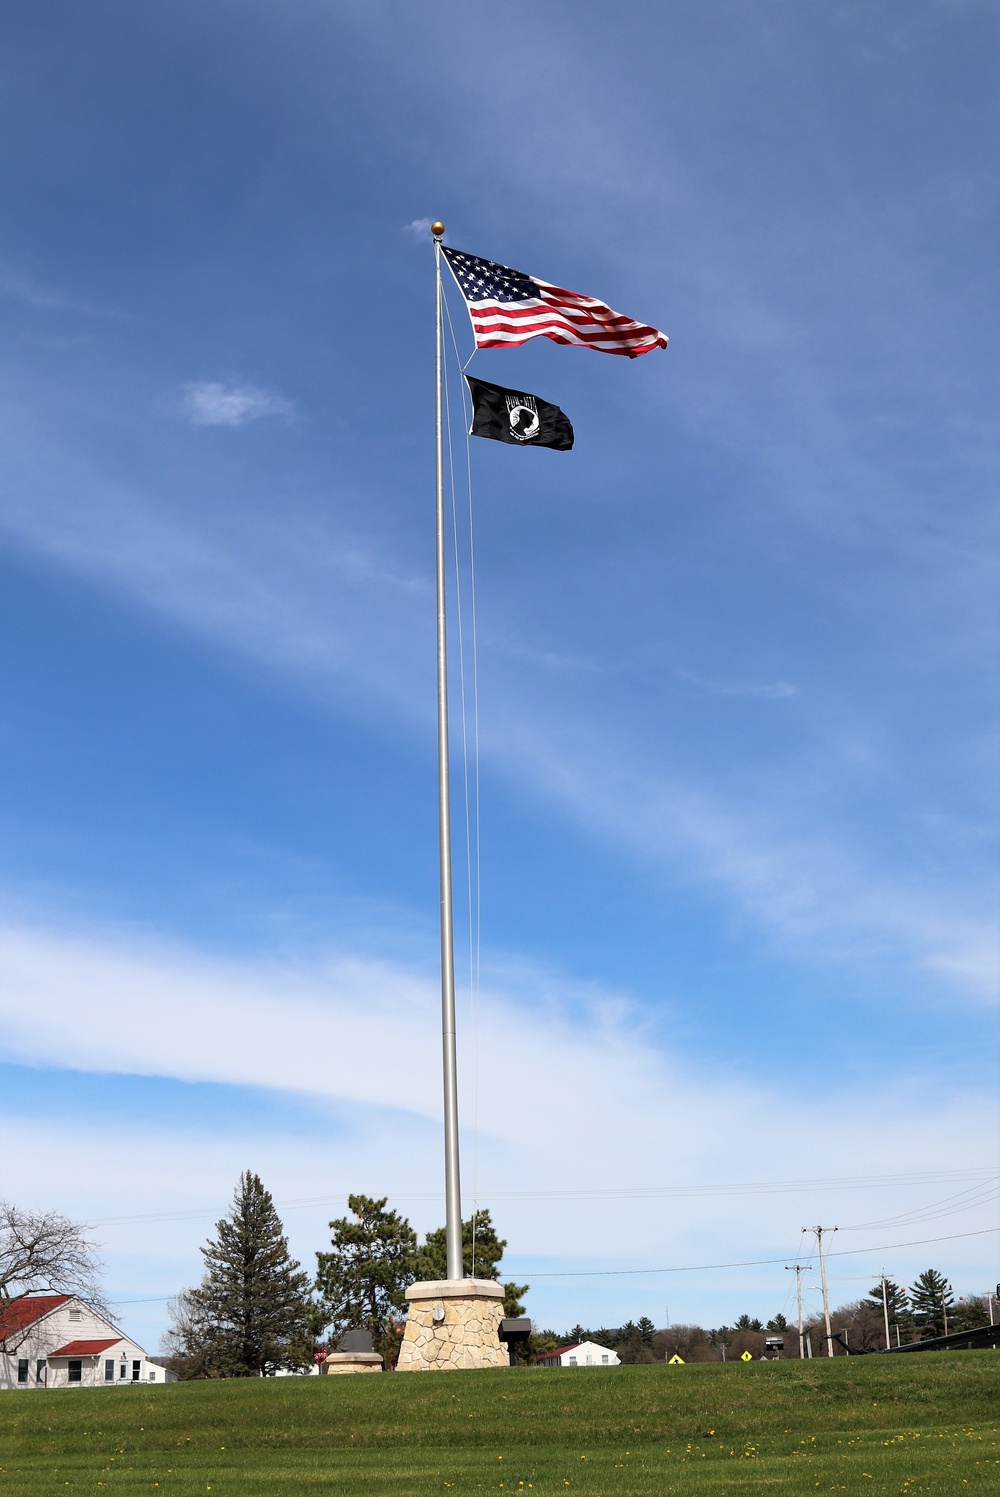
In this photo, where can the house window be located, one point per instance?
(604, 1359)
(22, 1369)
(123, 1371)
(40, 1366)
(75, 1370)
(136, 1369)
(76, 1315)
(152, 1377)
(109, 1370)
(572, 1361)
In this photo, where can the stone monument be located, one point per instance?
(453, 1324)
(355, 1353)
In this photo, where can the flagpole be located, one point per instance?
(452, 1184)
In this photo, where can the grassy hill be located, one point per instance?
(921, 1423)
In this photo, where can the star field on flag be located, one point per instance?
(508, 307)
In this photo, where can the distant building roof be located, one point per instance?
(582, 1347)
(557, 1351)
(84, 1348)
(17, 1314)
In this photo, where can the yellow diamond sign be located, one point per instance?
(746, 1357)
(676, 1361)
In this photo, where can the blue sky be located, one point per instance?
(737, 651)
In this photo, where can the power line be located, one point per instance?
(607, 1273)
(885, 1247)
(637, 1193)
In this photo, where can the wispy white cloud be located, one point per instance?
(809, 888)
(769, 691)
(210, 403)
(24, 288)
(420, 228)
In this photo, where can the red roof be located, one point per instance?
(17, 1314)
(558, 1351)
(84, 1348)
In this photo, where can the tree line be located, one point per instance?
(256, 1311)
(928, 1308)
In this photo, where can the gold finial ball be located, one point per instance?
(437, 228)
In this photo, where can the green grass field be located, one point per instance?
(925, 1423)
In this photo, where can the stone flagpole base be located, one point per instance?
(452, 1324)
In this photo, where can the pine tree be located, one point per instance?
(646, 1330)
(748, 1323)
(482, 1251)
(628, 1344)
(363, 1278)
(930, 1300)
(899, 1309)
(777, 1323)
(252, 1312)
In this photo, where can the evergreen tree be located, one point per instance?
(362, 1279)
(482, 1251)
(777, 1323)
(252, 1313)
(745, 1323)
(899, 1309)
(629, 1345)
(931, 1298)
(646, 1330)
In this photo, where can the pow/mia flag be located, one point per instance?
(511, 416)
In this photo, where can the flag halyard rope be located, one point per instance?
(471, 780)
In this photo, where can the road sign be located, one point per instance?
(676, 1361)
(746, 1357)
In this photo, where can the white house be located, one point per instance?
(580, 1354)
(58, 1341)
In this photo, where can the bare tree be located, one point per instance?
(43, 1250)
(187, 1341)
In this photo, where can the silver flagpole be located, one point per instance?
(452, 1184)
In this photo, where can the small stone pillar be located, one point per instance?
(351, 1361)
(355, 1353)
(452, 1324)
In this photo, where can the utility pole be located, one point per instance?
(885, 1311)
(822, 1278)
(798, 1271)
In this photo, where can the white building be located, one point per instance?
(580, 1354)
(58, 1341)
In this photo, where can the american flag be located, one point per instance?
(508, 307)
